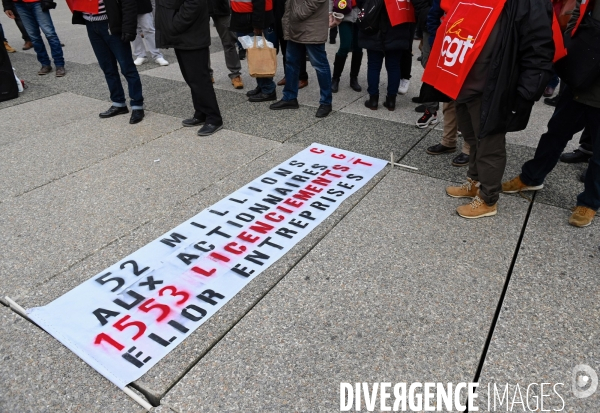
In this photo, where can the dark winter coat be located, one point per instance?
(433, 20)
(247, 22)
(387, 38)
(182, 24)
(421, 9)
(306, 21)
(144, 6)
(122, 16)
(219, 8)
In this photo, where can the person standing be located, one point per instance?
(575, 109)
(183, 25)
(450, 137)
(348, 31)
(279, 11)
(14, 15)
(255, 18)
(145, 39)
(111, 29)
(498, 90)
(220, 12)
(36, 16)
(306, 26)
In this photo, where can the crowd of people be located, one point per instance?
(487, 70)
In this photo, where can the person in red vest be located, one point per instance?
(576, 108)
(494, 58)
(254, 18)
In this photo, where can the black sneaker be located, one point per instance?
(575, 157)
(427, 119)
(551, 101)
(193, 121)
(440, 149)
(209, 129)
(261, 97)
(461, 160)
(420, 109)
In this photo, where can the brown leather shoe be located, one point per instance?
(302, 84)
(281, 82)
(45, 70)
(582, 216)
(516, 185)
(237, 82)
(477, 209)
(467, 190)
(9, 48)
(27, 45)
(60, 71)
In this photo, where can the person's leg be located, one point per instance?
(568, 119)
(590, 197)
(2, 38)
(28, 16)
(295, 53)
(406, 64)
(318, 60)
(228, 39)
(465, 123)
(139, 51)
(357, 53)
(333, 32)
(345, 32)
(21, 26)
(266, 84)
(586, 143)
(374, 63)
(194, 68)
(392, 66)
(122, 52)
(97, 33)
(450, 125)
(45, 22)
(146, 23)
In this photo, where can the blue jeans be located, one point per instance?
(392, 66)
(569, 118)
(35, 19)
(110, 49)
(318, 59)
(266, 84)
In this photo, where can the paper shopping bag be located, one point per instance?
(262, 62)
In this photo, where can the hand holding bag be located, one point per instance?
(262, 62)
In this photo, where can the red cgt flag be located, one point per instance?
(400, 11)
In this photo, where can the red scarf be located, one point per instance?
(86, 6)
(460, 38)
(400, 11)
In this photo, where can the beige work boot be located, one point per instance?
(467, 190)
(9, 48)
(237, 82)
(582, 216)
(477, 209)
(516, 185)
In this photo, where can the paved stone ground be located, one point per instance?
(392, 287)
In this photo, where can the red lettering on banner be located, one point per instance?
(105, 337)
(271, 216)
(219, 257)
(248, 237)
(230, 248)
(321, 181)
(291, 202)
(360, 161)
(313, 188)
(328, 173)
(121, 325)
(341, 168)
(304, 195)
(202, 271)
(175, 293)
(261, 227)
(340, 156)
(285, 209)
(165, 310)
(315, 150)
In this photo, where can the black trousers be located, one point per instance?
(194, 68)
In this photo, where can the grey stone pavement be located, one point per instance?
(392, 287)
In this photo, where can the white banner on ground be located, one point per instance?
(126, 318)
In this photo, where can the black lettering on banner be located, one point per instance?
(268, 180)
(237, 200)
(102, 280)
(198, 225)
(245, 217)
(218, 212)
(284, 232)
(321, 181)
(216, 231)
(319, 167)
(292, 185)
(300, 178)
(102, 315)
(243, 271)
(310, 172)
(136, 271)
(187, 312)
(161, 340)
(175, 239)
(256, 256)
(307, 215)
(345, 185)
(355, 177)
(334, 192)
(282, 172)
(150, 283)
(187, 258)
(235, 224)
(304, 195)
(255, 189)
(270, 244)
(138, 298)
(272, 199)
(259, 208)
(261, 227)
(135, 360)
(208, 295)
(283, 191)
(298, 223)
(207, 249)
(319, 205)
(296, 163)
(178, 326)
(328, 199)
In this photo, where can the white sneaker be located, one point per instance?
(140, 61)
(161, 61)
(404, 84)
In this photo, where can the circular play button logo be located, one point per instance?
(584, 381)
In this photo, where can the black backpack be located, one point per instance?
(8, 84)
(369, 18)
